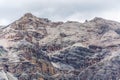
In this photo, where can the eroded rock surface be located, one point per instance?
(33, 48)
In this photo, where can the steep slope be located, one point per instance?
(33, 48)
(21, 42)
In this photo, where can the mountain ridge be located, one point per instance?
(35, 48)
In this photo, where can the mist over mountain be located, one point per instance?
(33, 48)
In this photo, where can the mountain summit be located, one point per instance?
(28, 15)
(33, 48)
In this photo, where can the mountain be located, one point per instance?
(33, 48)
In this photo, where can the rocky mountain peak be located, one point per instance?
(28, 15)
(29, 21)
(97, 19)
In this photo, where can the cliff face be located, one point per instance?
(33, 48)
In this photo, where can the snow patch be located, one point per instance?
(62, 66)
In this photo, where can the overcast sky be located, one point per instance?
(59, 10)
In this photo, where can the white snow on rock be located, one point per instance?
(10, 76)
(6, 76)
(3, 75)
(62, 66)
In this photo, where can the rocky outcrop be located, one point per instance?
(33, 48)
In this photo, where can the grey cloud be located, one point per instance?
(56, 9)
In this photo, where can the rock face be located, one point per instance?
(33, 48)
